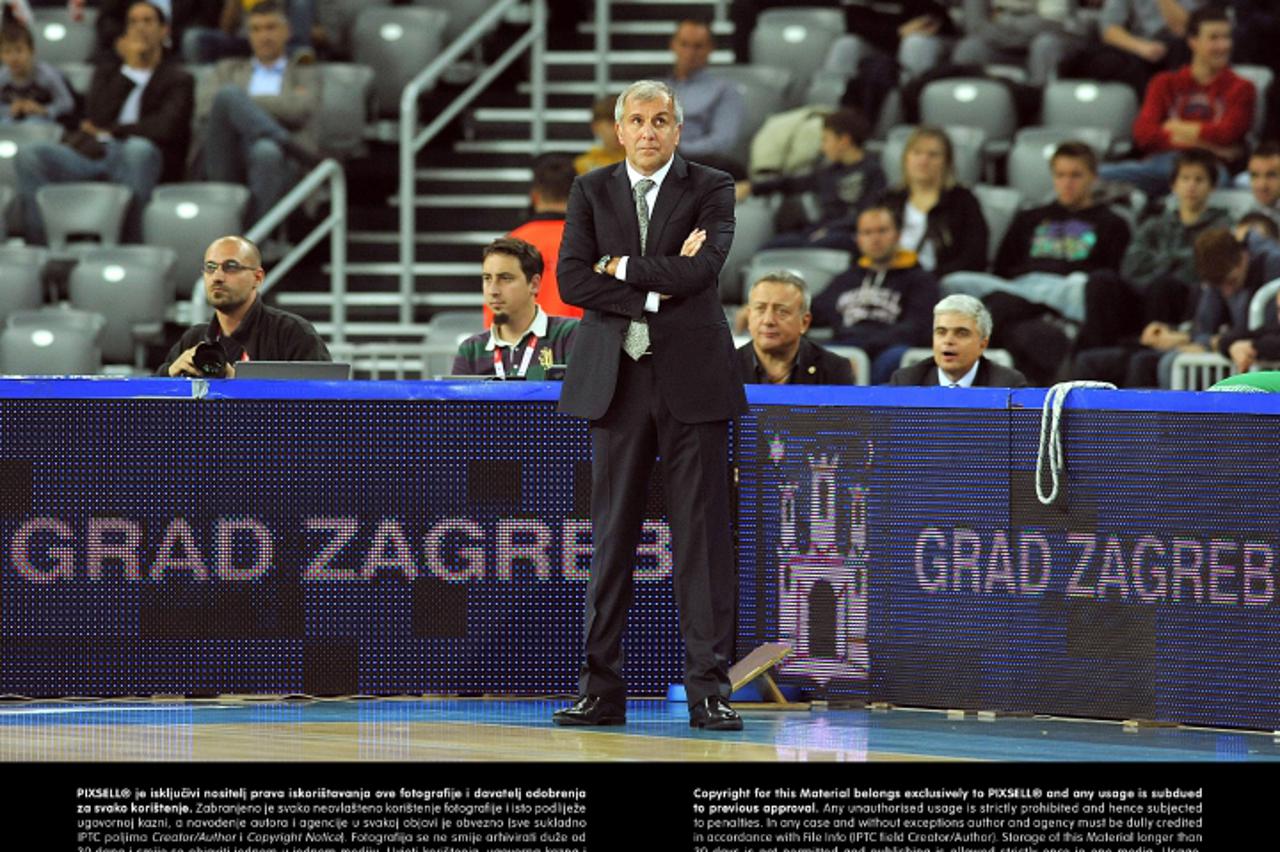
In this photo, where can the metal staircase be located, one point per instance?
(471, 183)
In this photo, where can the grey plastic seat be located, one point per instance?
(6, 198)
(78, 208)
(754, 228)
(20, 286)
(51, 342)
(817, 266)
(79, 75)
(205, 192)
(764, 92)
(971, 102)
(1086, 103)
(1261, 76)
(797, 39)
(132, 299)
(345, 90)
(1029, 159)
(187, 227)
(60, 39)
(129, 255)
(14, 136)
(452, 327)
(462, 13)
(397, 42)
(999, 205)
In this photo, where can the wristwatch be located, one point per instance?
(602, 263)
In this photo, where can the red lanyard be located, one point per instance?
(500, 368)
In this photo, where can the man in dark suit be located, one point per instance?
(961, 332)
(653, 371)
(779, 353)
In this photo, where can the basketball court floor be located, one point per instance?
(449, 729)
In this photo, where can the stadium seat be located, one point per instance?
(187, 226)
(754, 228)
(397, 43)
(1033, 147)
(1199, 370)
(1085, 103)
(1262, 299)
(344, 96)
(6, 198)
(438, 355)
(462, 13)
(205, 192)
(86, 207)
(999, 205)
(857, 358)
(338, 17)
(128, 255)
(797, 39)
(14, 136)
(817, 266)
(78, 75)
(132, 300)
(1261, 76)
(452, 327)
(1235, 201)
(59, 39)
(764, 90)
(20, 286)
(51, 342)
(971, 102)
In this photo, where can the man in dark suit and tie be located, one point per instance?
(653, 371)
(961, 331)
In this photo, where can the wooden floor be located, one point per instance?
(444, 730)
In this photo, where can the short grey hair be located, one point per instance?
(786, 276)
(645, 91)
(959, 303)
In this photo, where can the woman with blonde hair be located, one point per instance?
(941, 220)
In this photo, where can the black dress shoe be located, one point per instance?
(591, 710)
(714, 714)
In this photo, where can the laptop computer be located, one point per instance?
(325, 371)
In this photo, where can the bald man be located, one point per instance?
(245, 328)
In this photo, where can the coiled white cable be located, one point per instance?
(1051, 434)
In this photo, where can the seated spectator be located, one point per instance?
(962, 328)
(260, 113)
(1264, 178)
(1139, 39)
(847, 181)
(1202, 105)
(916, 33)
(779, 353)
(1011, 32)
(242, 327)
(1229, 273)
(713, 108)
(1233, 266)
(883, 306)
(552, 179)
(29, 90)
(941, 221)
(1160, 262)
(137, 128)
(1049, 252)
(181, 15)
(523, 342)
(230, 37)
(609, 150)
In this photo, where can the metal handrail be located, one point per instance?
(412, 140)
(334, 226)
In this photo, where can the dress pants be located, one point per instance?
(694, 458)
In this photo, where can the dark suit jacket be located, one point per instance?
(164, 116)
(990, 375)
(814, 366)
(692, 346)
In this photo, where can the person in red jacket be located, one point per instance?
(1201, 105)
(553, 175)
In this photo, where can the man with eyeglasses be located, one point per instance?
(245, 328)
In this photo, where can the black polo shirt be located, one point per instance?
(265, 334)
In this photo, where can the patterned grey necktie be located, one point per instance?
(636, 342)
